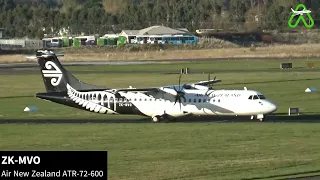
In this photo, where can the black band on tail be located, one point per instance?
(56, 78)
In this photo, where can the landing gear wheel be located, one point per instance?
(260, 117)
(165, 118)
(156, 119)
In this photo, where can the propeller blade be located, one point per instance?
(215, 78)
(175, 88)
(208, 80)
(180, 103)
(176, 100)
(180, 82)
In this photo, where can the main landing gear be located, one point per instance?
(156, 119)
(260, 117)
(163, 118)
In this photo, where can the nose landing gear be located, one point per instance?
(260, 117)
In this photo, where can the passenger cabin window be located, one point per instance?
(262, 97)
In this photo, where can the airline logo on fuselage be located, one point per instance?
(226, 95)
(54, 72)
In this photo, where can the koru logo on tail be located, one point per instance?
(54, 72)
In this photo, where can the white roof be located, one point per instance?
(156, 30)
(130, 32)
(160, 30)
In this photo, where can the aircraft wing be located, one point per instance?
(205, 83)
(148, 90)
(138, 90)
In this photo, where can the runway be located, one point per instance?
(15, 71)
(109, 119)
(307, 178)
(123, 62)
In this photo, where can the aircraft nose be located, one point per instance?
(273, 107)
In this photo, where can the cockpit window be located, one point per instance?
(253, 97)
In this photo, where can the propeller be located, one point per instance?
(180, 94)
(209, 85)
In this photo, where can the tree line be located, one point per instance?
(34, 18)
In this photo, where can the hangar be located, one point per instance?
(153, 30)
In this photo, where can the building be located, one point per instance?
(153, 30)
(162, 30)
(130, 35)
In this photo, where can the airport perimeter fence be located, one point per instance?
(17, 44)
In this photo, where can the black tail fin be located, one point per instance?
(55, 77)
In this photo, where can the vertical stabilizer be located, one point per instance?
(55, 77)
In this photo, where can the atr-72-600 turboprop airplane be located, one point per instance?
(160, 103)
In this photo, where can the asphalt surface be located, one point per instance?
(121, 62)
(307, 178)
(21, 68)
(274, 118)
(13, 71)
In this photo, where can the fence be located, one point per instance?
(8, 44)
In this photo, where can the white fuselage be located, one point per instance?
(218, 102)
